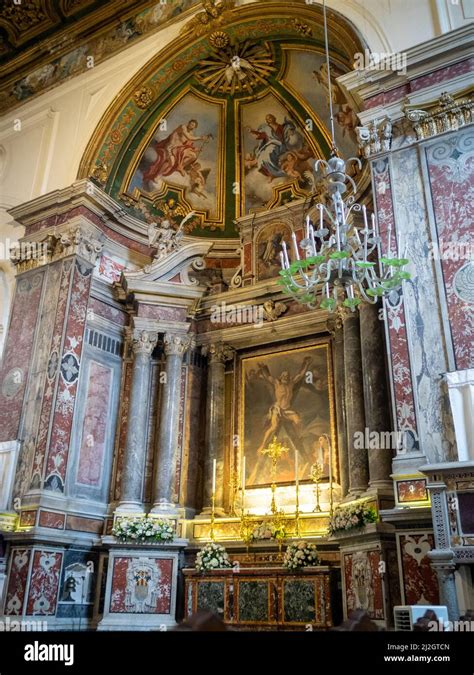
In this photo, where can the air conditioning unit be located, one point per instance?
(405, 616)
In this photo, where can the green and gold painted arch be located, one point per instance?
(229, 122)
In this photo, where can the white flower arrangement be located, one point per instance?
(143, 529)
(212, 557)
(350, 517)
(262, 531)
(302, 554)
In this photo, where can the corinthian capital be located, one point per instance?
(176, 344)
(144, 341)
(79, 241)
(218, 353)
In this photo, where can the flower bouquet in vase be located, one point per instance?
(212, 557)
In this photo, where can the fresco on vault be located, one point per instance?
(276, 151)
(307, 77)
(182, 153)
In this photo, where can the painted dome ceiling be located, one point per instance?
(229, 122)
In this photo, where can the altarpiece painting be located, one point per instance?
(287, 394)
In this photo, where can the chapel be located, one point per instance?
(236, 312)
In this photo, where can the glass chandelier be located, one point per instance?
(337, 263)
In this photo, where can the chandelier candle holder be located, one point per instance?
(337, 266)
(337, 263)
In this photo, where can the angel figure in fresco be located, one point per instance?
(282, 150)
(178, 153)
(345, 116)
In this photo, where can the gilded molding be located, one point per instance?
(215, 14)
(450, 113)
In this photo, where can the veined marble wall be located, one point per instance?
(423, 193)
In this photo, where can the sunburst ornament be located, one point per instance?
(235, 68)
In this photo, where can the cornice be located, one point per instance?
(423, 59)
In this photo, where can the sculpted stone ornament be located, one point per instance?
(144, 342)
(272, 310)
(216, 12)
(82, 243)
(375, 138)
(163, 237)
(176, 344)
(218, 353)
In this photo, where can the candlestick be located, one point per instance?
(214, 471)
(297, 485)
(295, 246)
(243, 483)
(307, 227)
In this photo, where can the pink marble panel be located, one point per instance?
(18, 351)
(16, 588)
(69, 374)
(399, 353)
(451, 167)
(44, 583)
(420, 582)
(94, 427)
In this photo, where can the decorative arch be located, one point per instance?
(259, 127)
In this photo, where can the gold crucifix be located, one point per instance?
(275, 450)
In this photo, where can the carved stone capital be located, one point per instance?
(84, 242)
(341, 314)
(375, 137)
(218, 353)
(175, 344)
(143, 341)
(78, 241)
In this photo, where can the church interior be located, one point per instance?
(236, 313)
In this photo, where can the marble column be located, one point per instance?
(143, 343)
(166, 456)
(337, 330)
(218, 354)
(442, 557)
(444, 566)
(377, 410)
(355, 418)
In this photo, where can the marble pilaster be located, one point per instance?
(143, 343)
(218, 354)
(377, 416)
(165, 498)
(355, 417)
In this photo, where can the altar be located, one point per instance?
(266, 597)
